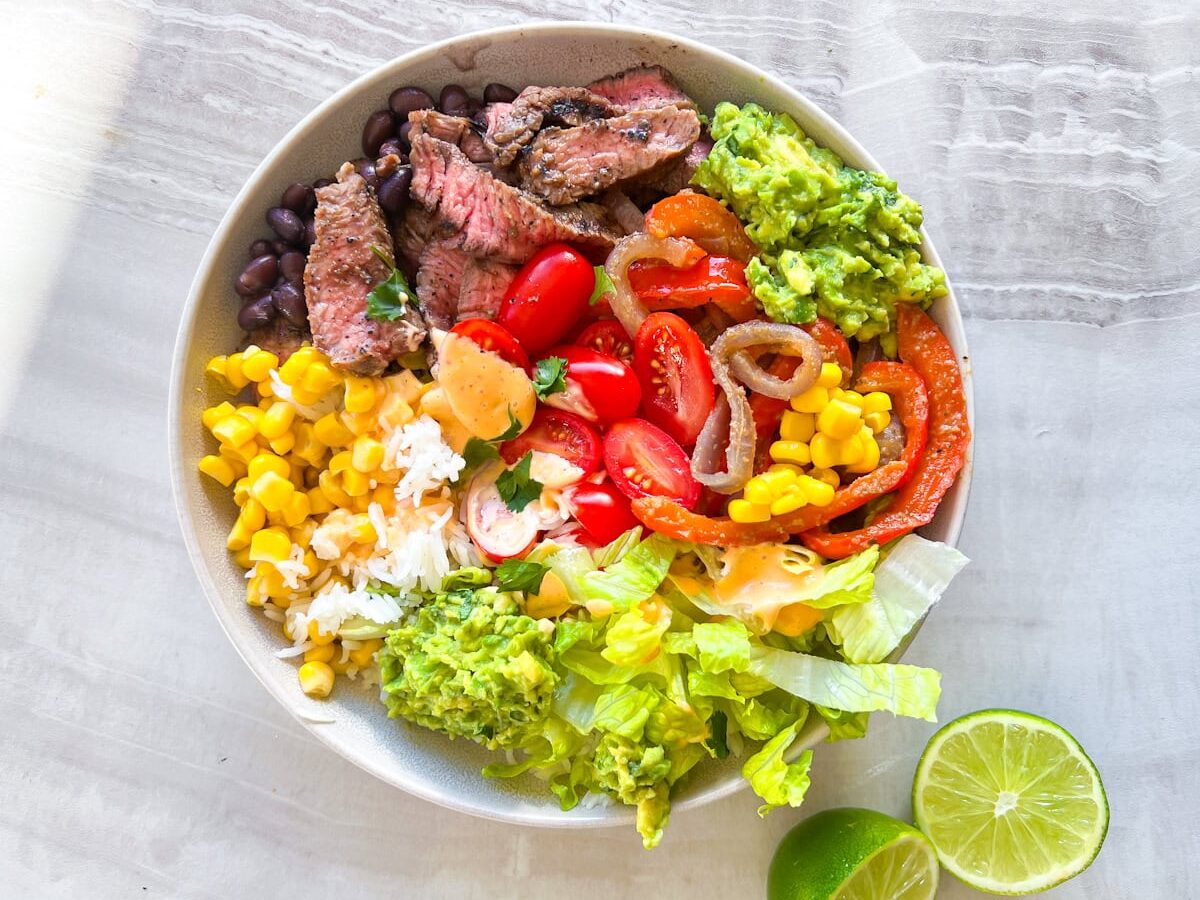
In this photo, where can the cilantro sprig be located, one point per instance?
(520, 575)
(517, 489)
(388, 299)
(550, 376)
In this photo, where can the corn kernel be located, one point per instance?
(295, 365)
(266, 390)
(254, 591)
(319, 379)
(270, 545)
(798, 426)
(318, 503)
(758, 491)
(877, 421)
(831, 375)
(239, 536)
(316, 679)
(870, 456)
(793, 452)
(361, 503)
(242, 558)
(268, 462)
(215, 414)
(365, 654)
(852, 450)
(257, 365)
(362, 530)
(216, 371)
(241, 490)
(744, 511)
(338, 666)
(273, 584)
(273, 491)
(251, 414)
(302, 535)
(323, 653)
(385, 496)
(359, 395)
(283, 445)
(826, 475)
(253, 515)
(333, 491)
(317, 636)
(876, 401)
(785, 467)
(218, 468)
(360, 423)
(330, 431)
(405, 385)
(840, 419)
(368, 454)
(297, 509)
(811, 401)
(818, 493)
(778, 481)
(854, 398)
(355, 483)
(276, 420)
(340, 462)
(233, 430)
(390, 477)
(312, 565)
(789, 502)
(395, 411)
(825, 451)
(233, 372)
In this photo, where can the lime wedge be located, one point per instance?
(853, 854)
(1011, 802)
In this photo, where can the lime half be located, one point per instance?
(853, 854)
(1011, 802)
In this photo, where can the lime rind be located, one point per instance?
(904, 869)
(1011, 801)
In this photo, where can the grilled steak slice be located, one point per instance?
(279, 337)
(538, 106)
(673, 178)
(453, 130)
(413, 231)
(642, 87)
(493, 219)
(484, 283)
(439, 283)
(342, 270)
(566, 164)
(623, 210)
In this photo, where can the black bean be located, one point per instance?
(453, 100)
(393, 191)
(498, 93)
(256, 313)
(404, 100)
(299, 198)
(289, 301)
(260, 248)
(281, 247)
(285, 223)
(472, 109)
(391, 146)
(402, 135)
(310, 231)
(260, 273)
(322, 182)
(378, 128)
(291, 267)
(366, 168)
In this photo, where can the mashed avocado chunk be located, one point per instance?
(836, 241)
(471, 665)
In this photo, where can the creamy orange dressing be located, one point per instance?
(482, 389)
(762, 580)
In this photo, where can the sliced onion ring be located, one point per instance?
(677, 252)
(740, 344)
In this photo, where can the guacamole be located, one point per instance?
(836, 241)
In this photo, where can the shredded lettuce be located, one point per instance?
(778, 782)
(847, 581)
(635, 577)
(912, 577)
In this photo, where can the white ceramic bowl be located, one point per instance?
(353, 722)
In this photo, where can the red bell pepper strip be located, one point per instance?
(704, 220)
(925, 348)
(833, 345)
(910, 403)
(714, 279)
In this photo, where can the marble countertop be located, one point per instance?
(1055, 149)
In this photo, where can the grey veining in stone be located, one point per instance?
(1056, 149)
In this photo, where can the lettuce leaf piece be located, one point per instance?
(778, 782)
(899, 689)
(847, 581)
(707, 684)
(634, 577)
(570, 564)
(555, 743)
(631, 639)
(761, 720)
(844, 726)
(624, 709)
(614, 551)
(722, 646)
(911, 578)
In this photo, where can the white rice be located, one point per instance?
(427, 461)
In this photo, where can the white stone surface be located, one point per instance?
(1055, 148)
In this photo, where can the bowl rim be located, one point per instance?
(179, 470)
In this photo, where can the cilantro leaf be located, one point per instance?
(519, 575)
(516, 488)
(388, 299)
(513, 429)
(603, 286)
(477, 452)
(550, 376)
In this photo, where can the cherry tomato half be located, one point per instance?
(600, 388)
(714, 279)
(547, 297)
(561, 433)
(676, 377)
(602, 510)
(643, 460)
(609, 337)
(493, 337)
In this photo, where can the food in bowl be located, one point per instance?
(595, 430)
